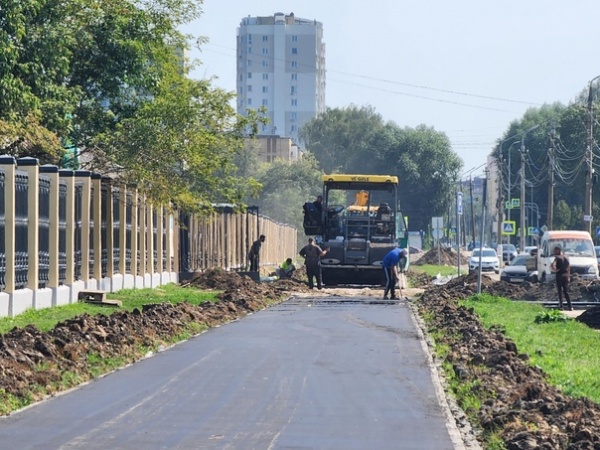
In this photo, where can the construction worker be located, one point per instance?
(312, 254)
(286, 269)
(390, 264)
(254, 252)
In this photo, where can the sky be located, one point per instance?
(467, 68)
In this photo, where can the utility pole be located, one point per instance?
(551, 183)
(500, 202)
(522, 245)
(523, 227)
(589, 173)
(472, 211)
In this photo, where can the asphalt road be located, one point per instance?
(310, 373)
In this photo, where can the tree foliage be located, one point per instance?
(286, 186)
(109, 76)
(568, 126)
(357, 140)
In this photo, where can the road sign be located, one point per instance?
(509, 227)
(588, 218)
(437, 223)
(459, 208)
(438, 233)
(515, 202)
(544, 228)
(531, 231)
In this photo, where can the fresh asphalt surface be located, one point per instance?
(310, 373)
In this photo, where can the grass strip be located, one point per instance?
(566, 350)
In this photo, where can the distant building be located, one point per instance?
(270, 148)
(281, 66)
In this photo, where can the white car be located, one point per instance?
(489, 260)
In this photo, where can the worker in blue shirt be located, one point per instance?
(390, 264)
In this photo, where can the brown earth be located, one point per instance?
(33, 363)
(526, 411)
(447, 257)
(521, 406)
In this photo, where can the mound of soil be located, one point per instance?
(34, 362)
(447, 257)
(579, 291)
(526, 411)
(590, 317)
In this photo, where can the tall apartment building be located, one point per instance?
(281, 66)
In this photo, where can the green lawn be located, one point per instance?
(568, 351)
(433, 270)
(45, 319)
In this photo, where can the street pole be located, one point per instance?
(550, 217)
(458, 214)
(589, 173)
(523, 199)
(482, 235)
(500, 203)
(522, 242)
(472, 211)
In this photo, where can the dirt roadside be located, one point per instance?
(35, 362)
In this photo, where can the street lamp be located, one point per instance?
(589, 157)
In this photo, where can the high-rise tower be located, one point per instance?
(281, 66)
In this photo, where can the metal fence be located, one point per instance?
(64, 231)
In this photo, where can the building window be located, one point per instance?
(265, 38)
(294, 63)
(265, 63)
(294, 102)
(294, 128)
(265, 51)
(265, 76)
(249, 49)
(293, 116)
(249, 62)
(249, 102)
(265, 102)
(294, 76)
(293, 90)
(294, 38)
(249, 39)
(294, 51)
(265, 89)
(249, 75)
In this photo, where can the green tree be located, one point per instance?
(287, 186)
(109, 76)
(338, 135)
(422, 158)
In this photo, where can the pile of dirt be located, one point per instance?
(521, 407)
(579, 291)
(418, 280)
(33, 363)
(447, 257)
(590, 317)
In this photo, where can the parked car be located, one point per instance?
(597, 250)
(517, 271)
(489, 260)
(509, 252)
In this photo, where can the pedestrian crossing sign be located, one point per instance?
(509, 227)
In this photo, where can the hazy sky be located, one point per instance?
(465, 67)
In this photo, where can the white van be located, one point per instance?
(576, 245)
